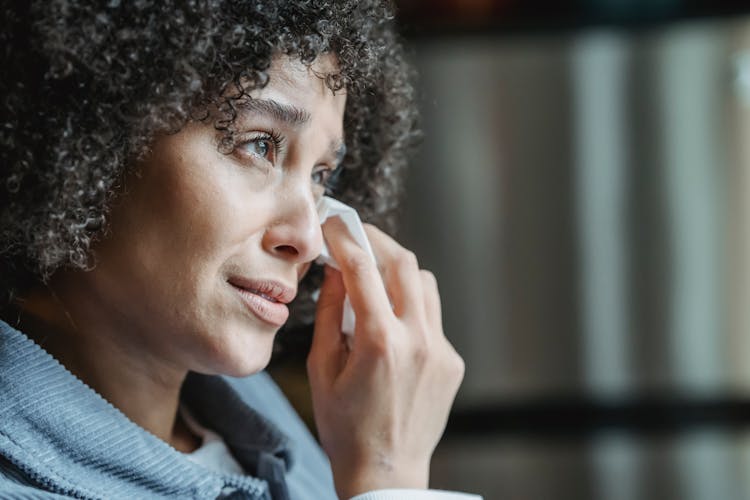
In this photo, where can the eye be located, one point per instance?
(260, 146)
(321, 175)
(325, 176)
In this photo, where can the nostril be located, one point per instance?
(287, 249)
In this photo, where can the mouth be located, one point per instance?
(265, 299)
(261, 294)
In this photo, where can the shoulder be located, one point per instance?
(14, 485)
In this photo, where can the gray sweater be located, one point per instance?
(58, 437)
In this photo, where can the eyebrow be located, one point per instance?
(287, 113)
(291, 115)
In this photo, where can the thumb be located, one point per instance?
(327, 344)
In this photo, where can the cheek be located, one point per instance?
(171, 232)
(197, 214)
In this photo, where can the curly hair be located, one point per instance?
(88, 84)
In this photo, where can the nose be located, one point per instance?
(295, 234)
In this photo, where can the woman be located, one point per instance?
(161, 166)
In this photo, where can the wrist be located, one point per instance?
(354, 480)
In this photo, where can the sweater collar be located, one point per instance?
(252, 441)
(63, 435)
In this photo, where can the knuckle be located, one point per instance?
(358, 263)
(380, 348)
(378, 338)
(407, 259)
(429, 280)
(420, 352)
(428, 276)
(459, 366)
(453, 361)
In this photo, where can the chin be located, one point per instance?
(242, 353)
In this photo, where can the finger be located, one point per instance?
(360, 274)
(326, 349)
(433, 308)
(400, 272)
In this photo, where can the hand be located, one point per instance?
(380, 404)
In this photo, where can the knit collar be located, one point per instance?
(63, 435)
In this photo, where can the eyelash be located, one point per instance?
(277, 142)
(273, 137)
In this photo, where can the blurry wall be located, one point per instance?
(582, 198)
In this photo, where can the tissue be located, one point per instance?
(328, 207)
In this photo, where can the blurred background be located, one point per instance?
(583, 196)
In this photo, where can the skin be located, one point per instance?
(159, 302)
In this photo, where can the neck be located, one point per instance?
(103, 355)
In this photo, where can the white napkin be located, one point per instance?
(328, 207)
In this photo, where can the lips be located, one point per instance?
(266, 299)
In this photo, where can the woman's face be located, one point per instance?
(205, 247)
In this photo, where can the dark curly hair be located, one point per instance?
(87, 84)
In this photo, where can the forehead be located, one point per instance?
(304, 86)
